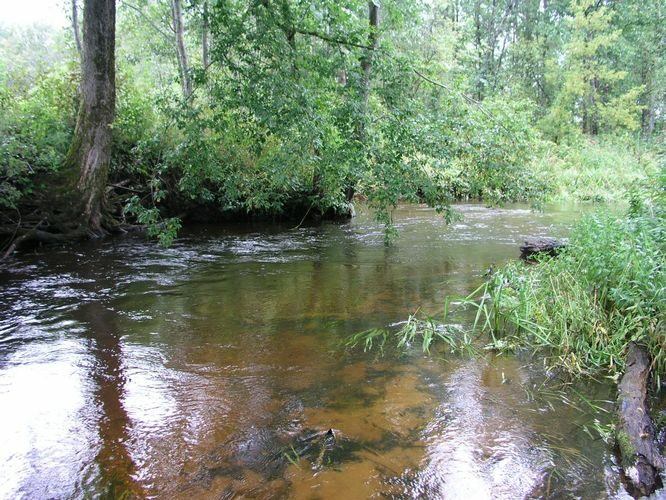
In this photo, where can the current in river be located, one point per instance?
(215, 369)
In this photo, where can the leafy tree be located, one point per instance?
(642, 51)
(588, 96)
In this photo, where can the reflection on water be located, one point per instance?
(214, 369)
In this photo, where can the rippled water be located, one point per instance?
(213, 369)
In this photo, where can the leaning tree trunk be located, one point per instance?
(90, 151)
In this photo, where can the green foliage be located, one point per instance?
(606, 289)
(36, 131)
(491, 151)
(165, 230)
(587, 76)
(296, 112)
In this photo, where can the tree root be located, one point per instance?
(59, 230)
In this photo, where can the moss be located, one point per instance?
(627, 449)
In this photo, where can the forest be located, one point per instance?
(272, 109)
(159, 117)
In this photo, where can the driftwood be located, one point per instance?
(541, 245)
(639, 454)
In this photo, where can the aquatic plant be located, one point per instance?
(417, 330)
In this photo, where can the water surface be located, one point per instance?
(214, 368)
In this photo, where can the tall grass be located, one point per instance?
(593, 170)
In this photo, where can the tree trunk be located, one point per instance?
(183, 66)
(641, 461)
(479, 51)
(648, 114)
(205, 37)
(90, 151)
(366, 71)
(75, 27)
(366, 65)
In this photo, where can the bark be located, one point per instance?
(635, 433)
(540, 245)
(75, 27)
(90, 151)
(183, 65)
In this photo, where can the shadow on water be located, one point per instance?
(107, 373)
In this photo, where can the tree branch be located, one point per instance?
(330, 39)
(148, 20)
(467, 98)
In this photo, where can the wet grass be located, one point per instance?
(417, 331)
(606, 289)
(596, 170)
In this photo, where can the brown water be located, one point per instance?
(212, 369)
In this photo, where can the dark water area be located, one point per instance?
(214, 368)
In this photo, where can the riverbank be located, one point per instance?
(606, 289)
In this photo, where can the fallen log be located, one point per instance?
(541, 245)
(640, 459)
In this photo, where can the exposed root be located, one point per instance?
(58, 229)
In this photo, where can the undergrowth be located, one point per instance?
(606, 289)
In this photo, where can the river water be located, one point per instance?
(214, 368)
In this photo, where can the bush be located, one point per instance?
(36, 132)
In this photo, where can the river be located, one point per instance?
(214, 368)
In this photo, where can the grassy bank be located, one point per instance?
(607, 288)
(598, 169)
